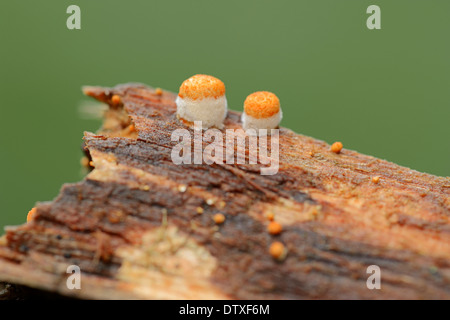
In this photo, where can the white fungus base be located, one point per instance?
(248, 122)
(210, 111)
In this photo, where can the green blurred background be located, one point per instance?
(381, 92)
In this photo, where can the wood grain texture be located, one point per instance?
(134, 228)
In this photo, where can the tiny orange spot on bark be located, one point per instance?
(376, 179)
(158, 92)
(116, 99)
(336, 147)
(115, 216)
(219, 218)
(270, 216)
(84, 162)
(274, 228)
(199, 210)
(31, 214)
(277, 250)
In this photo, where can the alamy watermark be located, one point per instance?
(74, 280)
(374, 280)
(73, 22)
(237, 147)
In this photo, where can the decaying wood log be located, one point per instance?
(140, 226)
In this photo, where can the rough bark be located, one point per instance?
(133, 225)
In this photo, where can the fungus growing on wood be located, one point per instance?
(261, 111)
(202, 98)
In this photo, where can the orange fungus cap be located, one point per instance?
(201, 86)
(261, 105)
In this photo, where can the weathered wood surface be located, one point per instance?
(136, 233)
